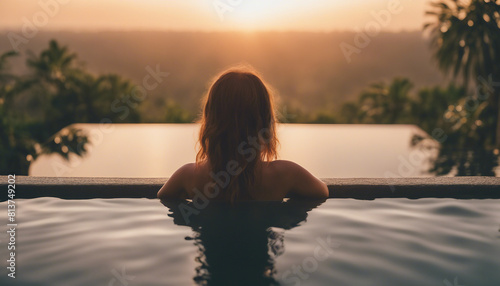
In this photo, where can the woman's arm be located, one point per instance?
(174, 188)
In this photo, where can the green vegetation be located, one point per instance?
(37, 109)
(466, 44)
(176, 114)
(33, 108)
(464, 118)
(444, 113)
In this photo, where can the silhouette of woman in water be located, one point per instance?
(237, 153)
(238, 244)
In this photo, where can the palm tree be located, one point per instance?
(97, 95)
(54, 63)
(24, 135)
(386, 104)
(431, 105)
(13, 149)
(465, 37)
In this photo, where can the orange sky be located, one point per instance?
(310, 15)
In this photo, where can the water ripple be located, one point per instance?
(380, 242)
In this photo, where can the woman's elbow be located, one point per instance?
(321, 191)
(163, 193)
(160, 195)
(325, 193)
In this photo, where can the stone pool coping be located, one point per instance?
(356, 188)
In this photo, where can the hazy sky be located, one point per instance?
(310, 15)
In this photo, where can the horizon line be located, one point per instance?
(243, 31)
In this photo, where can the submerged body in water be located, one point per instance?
(238, 243)
(373, 242)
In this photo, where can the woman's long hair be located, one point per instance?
(238, 131)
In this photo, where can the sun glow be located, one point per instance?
(209, 15)
(256, 14)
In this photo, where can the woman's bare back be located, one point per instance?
(276, 180)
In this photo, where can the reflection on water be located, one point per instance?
(380, 242)
(238, 245)
(329, 150)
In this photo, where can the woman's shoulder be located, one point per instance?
(285, 171)
(186, 169)
(283, 163)
(297, 180)
(284, 166)
(192, 169)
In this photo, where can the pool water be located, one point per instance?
(326, 150)
(339, 242)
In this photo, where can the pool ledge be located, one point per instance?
(356, 188)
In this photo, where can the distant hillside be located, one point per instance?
(308, 69)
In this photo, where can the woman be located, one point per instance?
(237, 155)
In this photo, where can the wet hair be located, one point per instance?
(238, 131)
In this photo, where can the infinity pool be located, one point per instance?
(326, 150)
(340, 242)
